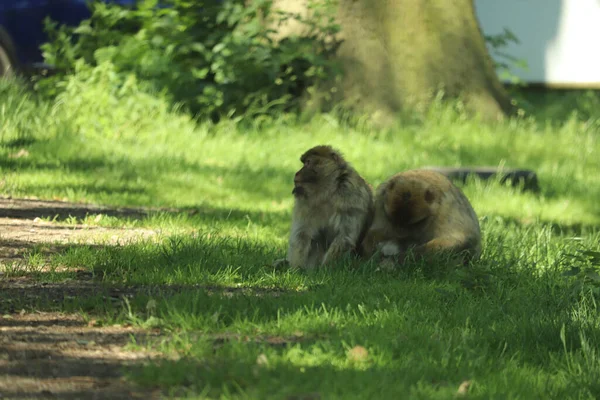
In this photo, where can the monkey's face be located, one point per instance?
(408, 202)
(319, 164)
(308, 177)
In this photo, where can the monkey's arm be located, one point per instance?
(391, 249)
(374, 236)
(349, 227)
(299, 249)
(385, 237)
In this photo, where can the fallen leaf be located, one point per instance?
(262, 360)
(463, 389)
(19, 154)
(358, 353)
(151, 306)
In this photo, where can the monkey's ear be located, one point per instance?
(429, 196)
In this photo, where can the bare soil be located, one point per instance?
(56, 355)
(49, 354)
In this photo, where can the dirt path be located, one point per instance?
(51, 354)
(24, 223)
(55, 355)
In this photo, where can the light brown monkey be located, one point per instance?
(423, 211)
(332, 211)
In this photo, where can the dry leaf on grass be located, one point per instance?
(463, 389)
(262, 360)
(358, 353)
(19, 154)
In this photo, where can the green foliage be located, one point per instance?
(503, 60)
(560, 106)
(120, 104)
(215, 59)
(584, 268)
(22, 116)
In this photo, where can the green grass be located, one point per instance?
(236, 328)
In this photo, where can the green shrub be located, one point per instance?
(23, 116)
(217, 59)
(99, 102)
(503, 60)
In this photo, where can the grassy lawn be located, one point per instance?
(232, 327)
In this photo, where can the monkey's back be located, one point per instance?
(452, 215)
(351, 197)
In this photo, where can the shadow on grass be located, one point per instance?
(557, 105)
(49, 351)
(407, 370)
(61, 211)
(194, 279)
(32, 163)
(18, 142)
(245, 377)
(577, 229)
(119, 174)
(89, 275)
(75, 292)
(208, 274)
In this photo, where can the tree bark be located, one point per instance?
(399, 54)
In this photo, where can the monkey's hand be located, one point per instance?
(348, 233)
(390, 249)
(338, 248)
(281, 263)
(393, 254)
(368, 246)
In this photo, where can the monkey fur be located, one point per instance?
(422, 211)
(333, 209)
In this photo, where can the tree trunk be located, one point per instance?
(398, 54)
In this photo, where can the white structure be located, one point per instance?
(559, 39)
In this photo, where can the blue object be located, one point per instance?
(22, 27)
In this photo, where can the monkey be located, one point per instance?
(424, 212)
(333, 208)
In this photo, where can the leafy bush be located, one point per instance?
(99, 102)
(23, 116)
(504, 60)
(216, 58)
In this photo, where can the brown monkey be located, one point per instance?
(423, 211)
(332, 211)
